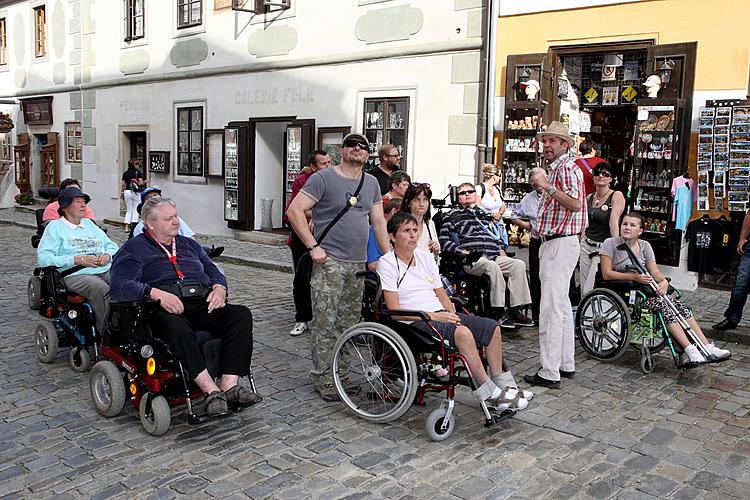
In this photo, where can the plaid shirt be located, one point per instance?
(552, 217)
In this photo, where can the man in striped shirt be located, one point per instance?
(561, 218)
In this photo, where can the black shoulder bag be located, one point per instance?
(305, 264)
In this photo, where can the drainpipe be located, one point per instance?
(487, 117)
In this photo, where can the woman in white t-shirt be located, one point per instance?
(491, 199)
(616, 265)
(410, 280)
(416, 201)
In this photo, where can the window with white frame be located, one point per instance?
(6, 151)
(189, 13)
(40, 31)
(190, 141)
(73, 142)
(135, 19)
(3, 42)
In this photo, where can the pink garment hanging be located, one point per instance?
(677, 183)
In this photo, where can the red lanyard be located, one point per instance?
(172, 257)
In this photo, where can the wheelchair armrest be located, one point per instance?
(461, 301)
(137, 306)
(389, 313)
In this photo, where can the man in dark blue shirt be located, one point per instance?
(162, 265)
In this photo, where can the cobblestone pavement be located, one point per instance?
(611, 432)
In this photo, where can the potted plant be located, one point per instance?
(24, 199)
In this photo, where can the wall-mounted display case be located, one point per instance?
(235, 152)
(386, 121)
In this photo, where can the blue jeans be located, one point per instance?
(741, 287)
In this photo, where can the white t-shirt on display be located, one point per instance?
(418, 283)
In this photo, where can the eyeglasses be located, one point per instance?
(603, 174)
(353, 142)
(468, 191)
(397, 155)
(420, 184)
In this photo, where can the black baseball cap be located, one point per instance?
(66, 196)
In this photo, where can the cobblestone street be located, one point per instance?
(611, 432)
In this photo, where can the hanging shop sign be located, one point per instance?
(6, 123)
(629, 93)
(609, 96)
(591, 95)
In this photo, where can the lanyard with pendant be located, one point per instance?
(171, 256)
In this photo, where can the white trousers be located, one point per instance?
(588, 266)
(557, 261)
(497, 270)
(131, 203)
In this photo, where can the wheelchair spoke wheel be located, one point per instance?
(107, 388)
(80, 360)
(34, 292)
(46, 343)
(156, 419)
(603, 324)
(374, 372)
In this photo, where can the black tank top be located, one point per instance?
(598, 229)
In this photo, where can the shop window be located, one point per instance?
(73, 142)
(386, 121)
(6, 153)
(190, 141)
(40, 31)
(135, 19)
(3, 43)
(189, 13)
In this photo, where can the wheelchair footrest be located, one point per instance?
(499, 416)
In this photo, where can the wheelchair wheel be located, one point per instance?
(156, 422)
(107, 388)
(434, 425)
(374, 372)
(46, 343)
(34, 292)
(603, 324)
(80, 359)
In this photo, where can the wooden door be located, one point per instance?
(49, 166)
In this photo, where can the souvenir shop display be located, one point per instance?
(655, 166)
(520, 150)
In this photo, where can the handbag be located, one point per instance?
(304, 268)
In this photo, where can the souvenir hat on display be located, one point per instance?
(556, 129)
(357, 137)
(147, 191)
(66, 196)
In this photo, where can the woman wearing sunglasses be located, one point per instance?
(605, 207)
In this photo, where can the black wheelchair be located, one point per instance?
(382, 366)
(72, 319)
(138, 365)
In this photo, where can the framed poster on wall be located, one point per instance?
(329, 140)
(158, 162)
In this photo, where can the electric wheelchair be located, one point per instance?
(140, 366)
(72, 318)
(382, 366)
(611, 317)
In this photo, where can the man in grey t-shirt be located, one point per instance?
(336, 290)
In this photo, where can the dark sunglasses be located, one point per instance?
(468, 191)
(420, 184)
(353, 142)
(602, 174)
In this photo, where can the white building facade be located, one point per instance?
(91, 84)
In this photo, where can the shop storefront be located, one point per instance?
(600, 92)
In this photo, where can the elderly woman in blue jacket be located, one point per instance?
(73, 240)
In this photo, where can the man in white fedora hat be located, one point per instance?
(561, 218)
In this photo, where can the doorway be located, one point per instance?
(136, 149)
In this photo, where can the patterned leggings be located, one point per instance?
(659, 304)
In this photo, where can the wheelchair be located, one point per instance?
(611, 318)
(138, 365)
(382, 366)
(72, 319)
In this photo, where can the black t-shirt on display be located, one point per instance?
(704, 235)
(727, 244)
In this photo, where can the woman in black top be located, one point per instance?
(132, 185)
(605, 207)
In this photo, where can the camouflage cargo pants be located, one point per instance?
(337, 304)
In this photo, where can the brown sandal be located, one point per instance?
(216, 404)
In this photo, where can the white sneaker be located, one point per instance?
(716, 353)
(694, 355)
(299, 329)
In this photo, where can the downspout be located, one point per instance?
(487, 117)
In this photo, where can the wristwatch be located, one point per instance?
(551, 190)
(314, 246)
